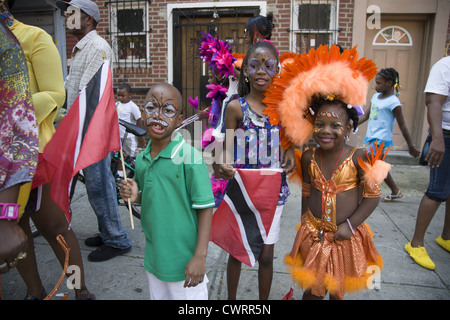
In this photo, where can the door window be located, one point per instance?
(392, 36)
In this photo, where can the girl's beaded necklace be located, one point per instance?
(320, 233)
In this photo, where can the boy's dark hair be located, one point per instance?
(390, 74)
(243, 86)
(262, 25)
(352, 113)
(125, 86)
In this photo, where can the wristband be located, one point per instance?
(9, 211)
(350, 225)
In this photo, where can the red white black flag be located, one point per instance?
(86, 135)
(243, 219)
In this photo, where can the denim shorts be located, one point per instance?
(439, 186)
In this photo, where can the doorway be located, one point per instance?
(399, 44)
(190, 73)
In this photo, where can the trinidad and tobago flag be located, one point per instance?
(243, 219)
(86, 135)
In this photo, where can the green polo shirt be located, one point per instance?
(174, 185)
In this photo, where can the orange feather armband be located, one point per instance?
(375, 171)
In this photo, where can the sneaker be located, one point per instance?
(104, 253)
(94, 241)
(420, 256)
(443, 243)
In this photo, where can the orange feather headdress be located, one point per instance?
(325, 72)
(239, 59)
(285, 58)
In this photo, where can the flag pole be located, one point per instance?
(125, 177)
(124, 169)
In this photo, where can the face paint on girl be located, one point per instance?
(268, 66)
(328, 115)
(329, 130)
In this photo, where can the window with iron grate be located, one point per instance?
(129, 31)
(314, 24)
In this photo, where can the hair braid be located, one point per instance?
(261, 25)
(390, 74)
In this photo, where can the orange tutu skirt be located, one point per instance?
(337, 267)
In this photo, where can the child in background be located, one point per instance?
(333, 248)
(172, 184)
(259, 28)
(259, 67)
(385, 108)
(128, 111)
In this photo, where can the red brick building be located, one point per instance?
(186, 19)
(156, 41)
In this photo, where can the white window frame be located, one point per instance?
(132, 62)
(333, 27)
(394, 42)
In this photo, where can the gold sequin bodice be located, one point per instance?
(344, 178)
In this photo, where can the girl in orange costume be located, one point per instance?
(333, 248)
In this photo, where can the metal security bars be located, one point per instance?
(129, 31)
(314, 23)
(190, 74)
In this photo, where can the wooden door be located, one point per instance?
(190, 72)
(399, 45)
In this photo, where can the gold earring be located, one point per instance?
(246, 79)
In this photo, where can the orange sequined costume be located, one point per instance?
(329, 265)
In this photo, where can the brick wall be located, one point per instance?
(345, 23)
(282, 20)
(157, 72)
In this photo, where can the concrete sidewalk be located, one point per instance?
(123, 278)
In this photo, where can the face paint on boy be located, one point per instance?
(163, 123)
(154, 108)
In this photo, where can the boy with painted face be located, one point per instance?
(173, 186)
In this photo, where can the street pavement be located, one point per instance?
(123, 278)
